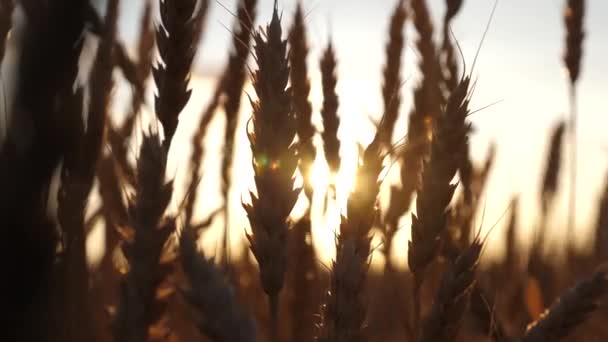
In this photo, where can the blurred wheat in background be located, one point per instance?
(141, 202)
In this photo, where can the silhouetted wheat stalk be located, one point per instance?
(140, 307)
(392, 101)
(575, 34)
(300, 87)
(391, 86)
(344, 310)
(552, 168)
(569, 311)
(232, 84)
(302, 270)
(329, 111)
(177, 40)
(274, 161)
(78, 172)
(452, 299)
(449, 59)
(436, 190)
(219, 316)
(426, 108)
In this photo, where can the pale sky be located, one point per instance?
(519, 65)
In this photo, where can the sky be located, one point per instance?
(519, 66)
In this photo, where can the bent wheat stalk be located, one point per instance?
(571, 310)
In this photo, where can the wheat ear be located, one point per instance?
(300, 86)
(211, 297)
(329, 111)
(344, 312)
(274, 161)
(570, 311)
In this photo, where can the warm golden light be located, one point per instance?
(329, 203)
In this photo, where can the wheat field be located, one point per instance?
(142, 202)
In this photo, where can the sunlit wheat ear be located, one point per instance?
(436, 188)
(391, 86)
(228, 93)
(211, 297)
(274, 161)
(427, 105)
(345, 311)
(391, 95)
(303, 273)
(427, 96)
(329, 111)
(570, 311)
(300, 87)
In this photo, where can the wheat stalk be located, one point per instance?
(575, 34)
(345, 311)
(426, 108)
(571, 310)
(232, 86)
(274, 162)
(329, 111)
(391, 95)
(450, 78)
(119, 136)
(77, 177)
(177, 40)
(139, 307)
(552, 168)
(300, 86)
(452, 298)
(436, 189)
(211, 297)
(391, 86)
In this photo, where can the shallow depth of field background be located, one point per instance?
(519, 67)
